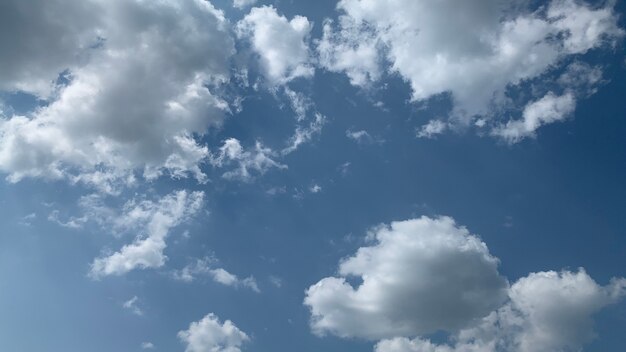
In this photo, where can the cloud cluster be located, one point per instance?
(137, 88)
(474, 50)
(420, 276)
(426, 275)
(154, 220)
(210, 335)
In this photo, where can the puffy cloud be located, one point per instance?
(432, 128)
(219, 275)
(280, 43)
(141, 85)
(210, 335)
(547, 311)
(419, 276)
(232, 152)
(147, 346)
(426, 275)
(155, 219)
(549, 109)
(474, 50)
(353, 50)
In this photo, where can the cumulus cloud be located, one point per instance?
(281, 44)
(547, 311)
(432, 129)
(419, 276)
(147, 345)
(549, 109)
(474, 50)
(220, 275)
(426, 275)
(141, 81)
(210, 335)
(155, 219)
(258, 160)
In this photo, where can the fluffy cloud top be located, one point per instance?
(547, 311)
(473, 50)
(280, 43)
(155, 219)
(137, 92)
(210, 335)
(426, 275)
(419, 276)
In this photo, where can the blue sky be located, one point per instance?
(360, 175)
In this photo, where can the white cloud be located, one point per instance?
(132, 306)
(547, 311)
(136, 94)
(315, 188)
(280, 43)
(210, 335)
(432, 128)
(419, 276)
(362, 137)
(549, 109)
(474, 50)
(242, 4)
(300, 103)
(219, 275)
(147, 345)
(155, 219)
(354, 50)
(305, 134)
(258, 160)
(427, 275)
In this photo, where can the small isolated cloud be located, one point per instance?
(549, 109)
(258, 160)
(276, 281)
(156, 219)
(147, 346)
(305, 134)
(281, 44)
(220, 275)
(426, 275)
(432, 129)
(27, 220)
(362, 137)
(210, 335)
(315, 188)
(242, 4)
(132, 306)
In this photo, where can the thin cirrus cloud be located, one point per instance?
(426, 275)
